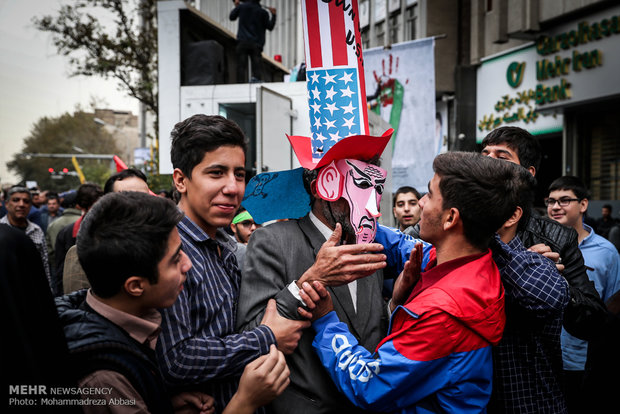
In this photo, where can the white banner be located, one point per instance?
(400, 84)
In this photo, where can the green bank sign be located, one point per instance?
(575, 63)
(507, 94)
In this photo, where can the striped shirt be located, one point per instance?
(198, 344)
(37, 236)
(527, 363)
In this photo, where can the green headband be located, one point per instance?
(242, 217)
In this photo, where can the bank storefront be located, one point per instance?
(565, 89)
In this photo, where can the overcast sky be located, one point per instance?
(34, 80)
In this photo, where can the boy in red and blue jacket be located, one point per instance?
(437, 354)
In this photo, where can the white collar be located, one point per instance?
(322, 227)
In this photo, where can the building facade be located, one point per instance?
(123, 126)
(548, 66)
(551, 67)
(383, 23)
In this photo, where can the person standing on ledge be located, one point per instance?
(253, 21)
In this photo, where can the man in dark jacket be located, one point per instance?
(131, 252)
(71, 213)
(253, 22)
(585, 312)
(26, 358)
(112, 328)
(87, 195)
(51, 212)
(606, 222)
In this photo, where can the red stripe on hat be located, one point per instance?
(339, 44)
(314, 35)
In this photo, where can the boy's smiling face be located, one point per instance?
(213, 194)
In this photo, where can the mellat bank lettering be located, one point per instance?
(550, 68)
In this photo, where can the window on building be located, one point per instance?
(605, 164)
(598, 148)
(380, 34)
(365, 42)
(364, 12)
(411, 18)
(394, 28)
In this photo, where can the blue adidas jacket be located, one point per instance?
(437, 355)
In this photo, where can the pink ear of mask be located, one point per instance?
(329, 183)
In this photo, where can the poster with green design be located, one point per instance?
(400, 87)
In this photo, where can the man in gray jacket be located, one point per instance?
(283, 256)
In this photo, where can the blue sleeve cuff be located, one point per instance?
(321, 323)
(265, 337)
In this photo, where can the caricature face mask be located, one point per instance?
(361, 184)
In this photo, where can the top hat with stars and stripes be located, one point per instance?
(338, 111)
(336, 88)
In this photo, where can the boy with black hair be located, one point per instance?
(129, 179)
(199, 347)
(406, 208)
(513, 144)
(527, 362)
(567, 204)
(130, 249)
(87, 195)
(437, 355)
(585, 313)
(131, 252)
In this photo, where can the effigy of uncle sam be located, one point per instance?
(339, 146)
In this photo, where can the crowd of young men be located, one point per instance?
(172, 320)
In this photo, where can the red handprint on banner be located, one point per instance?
(387, 101)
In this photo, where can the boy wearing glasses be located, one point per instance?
(567, 203)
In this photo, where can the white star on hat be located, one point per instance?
(346, 77)
(329, 78)
(348, 109)
(316, 107)
(316, 93)
(349, 123)
(330, 93)
(320, 137)
(347, 92)
(317, 121)
(331, 108)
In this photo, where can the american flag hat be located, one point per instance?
(336, 87)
